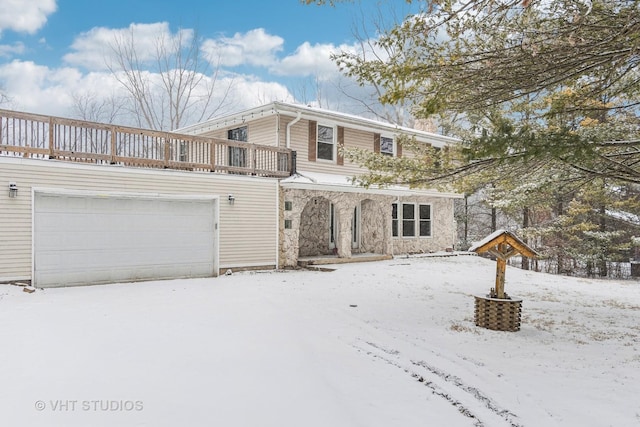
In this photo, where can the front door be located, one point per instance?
(355, 228)
(332, 227)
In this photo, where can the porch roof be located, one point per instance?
(342, 183)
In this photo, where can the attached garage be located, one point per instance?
(84, 237)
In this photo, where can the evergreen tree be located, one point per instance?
(543, 96)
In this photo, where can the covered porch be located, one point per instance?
(328, 220)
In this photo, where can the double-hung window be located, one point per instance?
(410, 220)
(394, 220)
(386, 146)
(326, 142)
(183, 153)
(238, 155)
(424, 218)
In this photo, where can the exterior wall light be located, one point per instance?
(13, 190)
(231, 199)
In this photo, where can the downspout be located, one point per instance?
(296, 120)
(278, 223)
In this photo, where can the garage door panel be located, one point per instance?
(85, 239)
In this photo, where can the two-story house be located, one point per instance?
(323, 214)
(88, 203)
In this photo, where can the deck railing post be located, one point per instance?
(114, 150)
(254, 153)
(212, 155)
(52, 153)
(167, 150)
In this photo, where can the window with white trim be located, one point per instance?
(424, 218)
(410, 220)
(238, 134)
(326, 142)
(394, 220)
(238, 155)
(386, 146)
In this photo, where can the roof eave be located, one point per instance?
(310, 113)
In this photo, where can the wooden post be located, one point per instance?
(212, 155)
(52, 153)
(254, 153)
(500, 270)
(167, 150)
(114, 151)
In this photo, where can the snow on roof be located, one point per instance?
(487, 239)
(307, 111)
(509, 238)
(343, 183)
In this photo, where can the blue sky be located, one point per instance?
(53, 50)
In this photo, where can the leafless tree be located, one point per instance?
(94, 108)
(176, 86)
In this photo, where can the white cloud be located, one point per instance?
(26, 16)
(252, 92)
(310, 60)
(254, 47)
(94, 49)
(7, 50)
(39, 89)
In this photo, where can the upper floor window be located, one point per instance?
(386, 146)
(326, 142)
(238, 134)
(238, 155)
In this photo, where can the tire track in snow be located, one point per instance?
(392, 356)
(477, 394)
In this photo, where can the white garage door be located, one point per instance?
(81, 238)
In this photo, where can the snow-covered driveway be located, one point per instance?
(389, 343)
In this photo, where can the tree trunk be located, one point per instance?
(602, 267)
(494, 220)
(525, 224)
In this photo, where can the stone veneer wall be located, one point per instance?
(373, 218)
(443, 228)
(314, 228)
(313, 225)
(375, 224)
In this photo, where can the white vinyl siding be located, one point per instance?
(353, 138)
(248, 228)
(261, 131)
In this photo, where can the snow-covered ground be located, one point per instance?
(388, 343)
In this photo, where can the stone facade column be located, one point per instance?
(345, 218)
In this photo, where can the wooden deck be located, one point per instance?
(47, 137)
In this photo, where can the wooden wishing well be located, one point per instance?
(497, 310)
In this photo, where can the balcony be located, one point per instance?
(47, 137)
